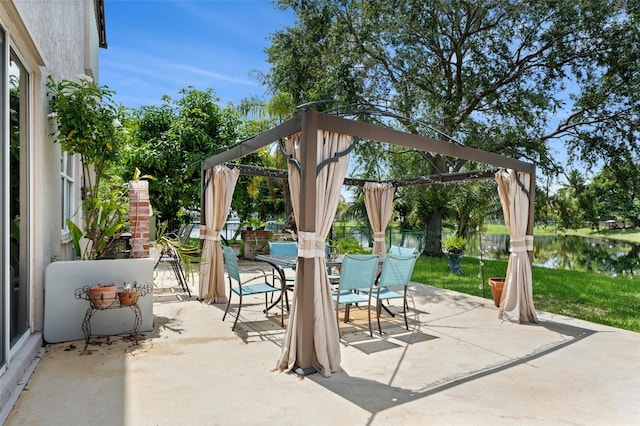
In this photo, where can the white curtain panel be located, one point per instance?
(220, 184)
(312, 245)
(516, 303)
(378, 199)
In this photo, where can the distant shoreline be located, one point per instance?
(626, 235)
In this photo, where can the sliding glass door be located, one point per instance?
(14, 249)
(18, 198)
(4, 201)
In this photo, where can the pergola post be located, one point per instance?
(307, 223)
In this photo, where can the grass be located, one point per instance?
(598, 298)
(628, 235)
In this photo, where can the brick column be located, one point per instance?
(139, 212)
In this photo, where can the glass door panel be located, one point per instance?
(18, 199)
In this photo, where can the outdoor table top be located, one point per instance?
(283, 261)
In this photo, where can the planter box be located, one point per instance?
(256, 242)
(237, 248)
(63, 313)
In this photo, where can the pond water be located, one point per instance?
(568, 252)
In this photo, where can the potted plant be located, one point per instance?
(171, 245)
(102, 296)
(88, 123)
(237, 246)
(454, 249)
(496, 284)
(128, 296)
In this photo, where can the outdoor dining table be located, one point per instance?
(281, 262)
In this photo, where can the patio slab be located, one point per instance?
(457, 365)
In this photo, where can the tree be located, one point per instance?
(565, 206)
(88, 122)
(604, 124)
(614, 193)
(168, 143)
(569, 200)
(490, 74)
(264, 196)
(473, 202)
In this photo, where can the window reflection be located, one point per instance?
(18, 207)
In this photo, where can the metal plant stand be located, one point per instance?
(83, 293)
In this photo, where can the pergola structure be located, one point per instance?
(316, 142)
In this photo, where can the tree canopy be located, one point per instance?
(492, 74)
(503, 76)
(168, 143)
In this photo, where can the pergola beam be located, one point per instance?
(255, 143)
(366, 131)
(422, 143)
(435, 179)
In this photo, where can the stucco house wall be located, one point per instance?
(57, 38)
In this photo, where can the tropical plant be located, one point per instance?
(88, 122)
(454, 244)
(102, 227)
(348, 245)
(168, 243)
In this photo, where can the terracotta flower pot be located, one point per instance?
(128, 297)
(496, 283)
(102, 296)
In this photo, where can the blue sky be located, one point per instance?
(157, 47)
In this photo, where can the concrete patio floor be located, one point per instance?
(457, 365)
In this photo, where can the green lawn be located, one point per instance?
(629, 235)
(592, 297)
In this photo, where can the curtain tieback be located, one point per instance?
(310, 245)
(209, 234)
(521, 244)
(378, 236)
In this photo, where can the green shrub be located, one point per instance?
(348, 245)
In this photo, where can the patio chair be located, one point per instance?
(333, 277)
(396, 272)
(169, 255)
(357, 273)
(402, 251)
(261, 284)
(285, 248)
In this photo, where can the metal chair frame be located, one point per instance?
(167, 255)
(396, 272)
(244, 288)
(357, 273)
